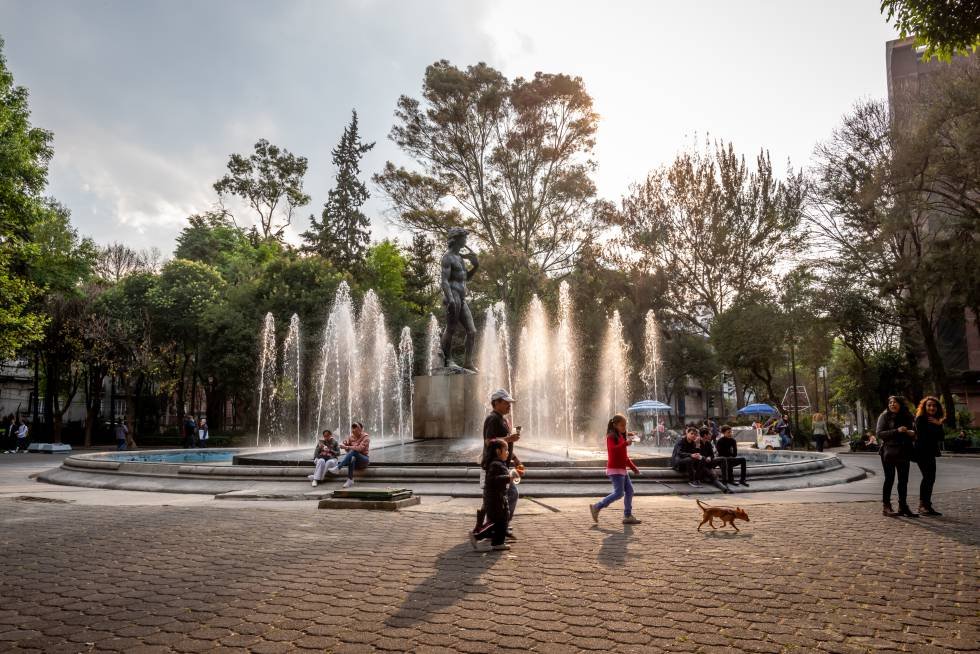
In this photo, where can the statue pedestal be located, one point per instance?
(448, 406)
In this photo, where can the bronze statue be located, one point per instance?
(453, 283)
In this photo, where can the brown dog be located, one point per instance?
(724, 513)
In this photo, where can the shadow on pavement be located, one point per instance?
(727, 534)
(612, 553)
(457, 575)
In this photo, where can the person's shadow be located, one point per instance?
(457, 574)
(613, 552)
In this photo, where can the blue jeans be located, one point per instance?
(621, 486)
(351, 460)
(121, 444)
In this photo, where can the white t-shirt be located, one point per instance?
(22, 431)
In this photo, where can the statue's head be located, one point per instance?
(457, 236)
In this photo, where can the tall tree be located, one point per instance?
(270, 180)
(421, 291)
(510, 160)
(944, 27)
(25, 151)
(713, 228)
(343, 232)
(897, 198)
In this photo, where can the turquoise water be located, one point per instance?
(207, 456)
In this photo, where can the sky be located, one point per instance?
(148, 99)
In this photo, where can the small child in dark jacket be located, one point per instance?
(497, 511)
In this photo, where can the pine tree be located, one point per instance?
(342, 233)
(420, 288)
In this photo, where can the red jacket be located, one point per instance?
(616, 449)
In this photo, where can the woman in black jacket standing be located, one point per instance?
(896, 433)
(929, 435)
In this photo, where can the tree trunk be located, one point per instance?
(936, 365)
(739, 390)
(93, 396)
(131, 390)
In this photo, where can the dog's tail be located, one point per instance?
(701, 504)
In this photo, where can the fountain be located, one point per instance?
(612, 392)
(546, 373)
(362, 374)
(268, 373)
(651, 354)
(292, 375)
(433, 351)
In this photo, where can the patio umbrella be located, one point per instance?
(648, 406)
(758, 408)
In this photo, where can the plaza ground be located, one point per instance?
(814, 570)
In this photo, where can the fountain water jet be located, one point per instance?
(292, 373)
(268, 369)
(433, 346)
(651, 354)
(613, 382)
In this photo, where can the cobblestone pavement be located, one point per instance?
(830, 577)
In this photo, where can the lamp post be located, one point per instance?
(796, 399)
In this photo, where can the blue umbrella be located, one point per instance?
(757, 408)
(648, 406)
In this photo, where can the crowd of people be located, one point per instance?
(700, 452)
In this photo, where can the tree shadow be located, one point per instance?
(612, 553)
(457, 574)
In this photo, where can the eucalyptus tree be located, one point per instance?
(511, 160)
(270, 181)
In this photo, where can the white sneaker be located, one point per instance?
(314, 483)
(348, 483)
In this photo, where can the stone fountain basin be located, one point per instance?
(408, 465)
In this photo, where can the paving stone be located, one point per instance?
(799, 579)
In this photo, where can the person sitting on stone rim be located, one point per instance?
(357, 446)
(497, 425)
(325, 457)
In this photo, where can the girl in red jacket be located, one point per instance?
(617, 440)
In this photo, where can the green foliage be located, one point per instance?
(713, 227)
(510, 160)
(270, 180)
(945, 27)
(25, 152)
(343, 232)
(421, 290)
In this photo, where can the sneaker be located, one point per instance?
(348, 483)
(632, 520)
(694, 484)
(595, 513)
(500, 548)
(473, 541)
(744, 483)
(309, 477)
(314, 483)
(510, 535)
(733, 483)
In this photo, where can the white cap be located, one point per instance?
(500, 394)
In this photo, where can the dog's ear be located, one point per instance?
(738, 508)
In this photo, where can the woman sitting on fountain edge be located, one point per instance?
(357, 452)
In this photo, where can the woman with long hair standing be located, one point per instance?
(896, 433)
(929, 435)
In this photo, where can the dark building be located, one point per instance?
(958, 338)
